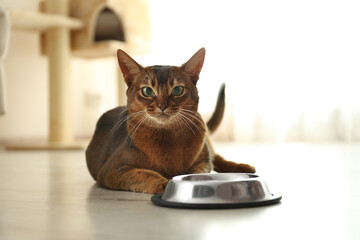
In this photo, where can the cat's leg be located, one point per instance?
(203, 163)
(132, 179)
(201, 167)
(222, 165)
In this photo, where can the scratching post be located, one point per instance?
(4, 43)
(58, 51)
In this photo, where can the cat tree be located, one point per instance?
(81, 28)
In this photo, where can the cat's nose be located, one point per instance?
(162, 106)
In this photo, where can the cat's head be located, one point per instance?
(163, 94)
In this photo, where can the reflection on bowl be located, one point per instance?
(215, 189)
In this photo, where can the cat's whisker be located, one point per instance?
(177, 120)
(192, 106)
(194, 124)
(191, 111)
(137, 125)
(134, 128)
(118, 124)
(182, 118)
(197, 127)
(192, 114)
(142, 121)
(147, 121)
(116, 127)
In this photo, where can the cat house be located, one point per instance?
(80, 28)
(110, 25)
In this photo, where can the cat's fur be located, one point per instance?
(140, 146)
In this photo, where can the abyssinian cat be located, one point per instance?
(159, 134)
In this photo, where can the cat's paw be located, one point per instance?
(245, 168)
(156, 186)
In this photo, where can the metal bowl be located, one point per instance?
(216, 190)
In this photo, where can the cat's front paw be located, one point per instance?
(156, 186)
(245, 168)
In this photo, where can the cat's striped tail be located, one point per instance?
(218, 114)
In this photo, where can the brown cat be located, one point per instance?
(159, 134)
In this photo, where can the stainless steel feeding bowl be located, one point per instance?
(216, 190)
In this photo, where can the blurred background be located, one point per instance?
(291, 69)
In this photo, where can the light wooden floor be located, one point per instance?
(50, 195)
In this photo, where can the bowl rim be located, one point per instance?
(180, 178)
(157, 200)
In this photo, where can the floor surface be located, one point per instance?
(50, 195)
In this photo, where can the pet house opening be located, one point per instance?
(109, 27)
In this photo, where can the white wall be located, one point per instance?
(26, 88)
(26, 83)
(94, 92)
(291, 69)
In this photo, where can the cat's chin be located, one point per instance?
(163, 120)
(163, 117)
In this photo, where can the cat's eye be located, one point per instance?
(178, 90)
(148, 92)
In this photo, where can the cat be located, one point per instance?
(159, 134)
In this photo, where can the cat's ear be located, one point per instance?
(194, 64)
(128, 66)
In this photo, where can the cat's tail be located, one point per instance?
(218, 114)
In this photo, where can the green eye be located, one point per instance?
(178, 90)
(148, 92)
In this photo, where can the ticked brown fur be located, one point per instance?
(157, 136)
